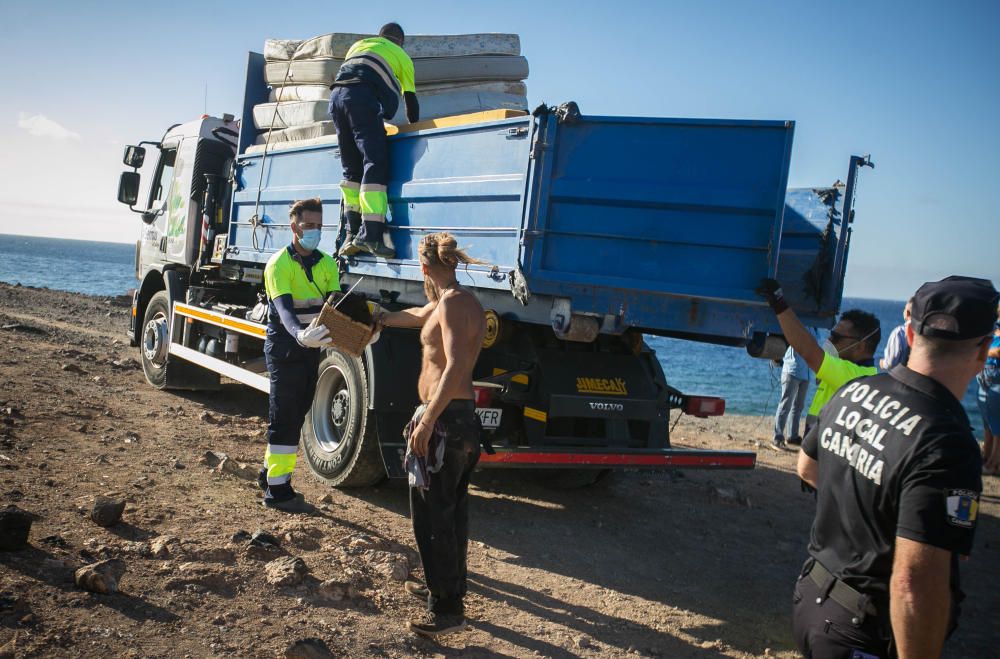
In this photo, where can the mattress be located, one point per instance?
(444, 122)
(429, 70)
(446, 104)
(432, 106)
(298, 133)
(336, 45)
(322, 92)
(294, 113)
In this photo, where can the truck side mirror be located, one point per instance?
(128, 188)
(134, 156)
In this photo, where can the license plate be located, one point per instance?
(489, 416)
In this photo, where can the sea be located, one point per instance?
(749, 386)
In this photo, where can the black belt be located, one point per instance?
(456, 408)
(855, 602)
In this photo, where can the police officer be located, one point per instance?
(297, 279)
(898, 474)
(375, 73)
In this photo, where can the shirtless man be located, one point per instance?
(444, 431)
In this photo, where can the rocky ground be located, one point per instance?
(679, 564)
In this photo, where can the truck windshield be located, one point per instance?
(164, 174)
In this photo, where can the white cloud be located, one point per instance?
(41, 126)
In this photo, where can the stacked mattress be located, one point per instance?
(455, 74)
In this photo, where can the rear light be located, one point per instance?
(704, 406)
(484, 396)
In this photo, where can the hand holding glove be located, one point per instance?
(770, 290)
(313, 336)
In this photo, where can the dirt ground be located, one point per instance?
(679, 564)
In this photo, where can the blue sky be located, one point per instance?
(915, 84)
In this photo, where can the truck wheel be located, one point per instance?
(162, 371)
(340, 438)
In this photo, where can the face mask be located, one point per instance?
(831, 349)
(310, 239)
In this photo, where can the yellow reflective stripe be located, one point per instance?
(537, 415)
(229, 322)
(351, 192)
(374, 201)
(279, 464)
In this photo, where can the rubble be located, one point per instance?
(15, 525)
(262, 538)
(212, 459)
(308, 648)
(285, 571)
(101, 577)
(107, 510)
(160, 547)
(394, 566)
(238, 469)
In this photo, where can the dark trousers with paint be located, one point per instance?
(441, 513)
(364, 156)
(293, 373)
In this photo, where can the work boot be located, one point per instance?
(262, 479)
(794, 441)
(778, 443)
(296, 504)
(417, 589)
(375, 247)
(433, 625)
(348, 248)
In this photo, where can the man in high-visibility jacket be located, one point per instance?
(375, 73)
(297, 279)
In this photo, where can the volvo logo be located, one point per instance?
(608, 407)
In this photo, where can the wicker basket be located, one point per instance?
(346, 334)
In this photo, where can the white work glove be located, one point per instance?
(313, 337)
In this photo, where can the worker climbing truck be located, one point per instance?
(595, 231)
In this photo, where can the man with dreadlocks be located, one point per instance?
(443, 436)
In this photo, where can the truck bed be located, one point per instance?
(662, 225)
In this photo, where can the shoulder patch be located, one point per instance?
(962, 507)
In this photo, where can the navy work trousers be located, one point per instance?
(364, 155)
(293, 372)
(441, 513)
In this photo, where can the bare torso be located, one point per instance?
(468, 335)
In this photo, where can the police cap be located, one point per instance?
(955, 308)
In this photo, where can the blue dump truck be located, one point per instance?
(596, 231)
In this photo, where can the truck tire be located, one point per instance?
(161, 370)
(340, 436)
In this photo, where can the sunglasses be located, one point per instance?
(837, 336)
